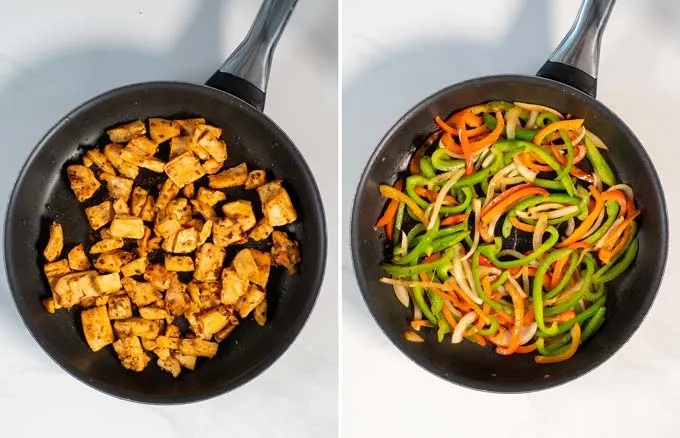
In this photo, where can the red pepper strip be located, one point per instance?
(500, 198)
(619, 197)
(491, 138)
(623, 242)
(453, 220)
(527, 160)
(579, 154)
(432, 196)
(474, 119)
(432, 258)
(449, 318)
(387, 220)
(606, 253)
(575, 341)
(507, 201)
(586, 224)
(565, 316)
(518, 303)
(557, 272)
(485, 262)
(445, 126)
(583, 176)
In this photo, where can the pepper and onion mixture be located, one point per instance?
(507, 230)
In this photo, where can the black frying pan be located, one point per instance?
(567, 82)
(233, 100)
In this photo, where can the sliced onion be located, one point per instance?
(442, 177)
(526, 173)
(413, 336)
(526, 333)
(467, 269)
(402, 294)
(476, 207)
(596, 225)
(488, 270)
(600, 243)
(455, 312)
(596, 140)
(440, 197)
(411, 283)
(541, 226)
(546, 206)
(539, 108)
(625, 188)
(491, 190)
(571, 225)
(403, 249)
(502, 290)
(597, 182)
(517, 287)
(526, 285)
(580, 136)
(511, 122)
(461, 280)
(511, 253)
(451, 154)
(488, 160)
(531, 123)
(464, 323)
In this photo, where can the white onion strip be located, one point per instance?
(402, 294)
(526, 333)
(526, 173)
(600, 243)
(539, 108)
(455, 312)
(440, 197)
(531, 123)
(571, 225)
(417, 313)
(461, 280)
(625, 188)
(596, 225)
(512, 120)
(491, 191)
(511, 253)
(518, 288)
(596, 140)
(464, 323)
(477, 208)
(541, 226)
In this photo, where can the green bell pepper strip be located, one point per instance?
(398, 223)
(490, 251)
(520, 133)
(501, 279)
(408, 271)
(586, 276)
(447, 241)
(580, 318)
(443, 272)
(537, 292)
(443, 327)
(594, 324)
(573, 264)
(608, 272)
(436, 302)
(413, 255)
(493, 328)
(443, 162)
(417, 229)
(570, 152)
(549, 184)
(499, 105)
(534, 200)
(612, 209)
(426, 168)
(419, 299)
(600, 165)
(480, 291)
(543, 116)
(442, 232)
(555, 347)
(418, 180)
(600, 290)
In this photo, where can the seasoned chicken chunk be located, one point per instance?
(49, 304)
(134, 157)
(83, 182)
(251, 300)
(120, 207)
(128, 227)
(198, 347)
(97, 327)
(204, 210)
(100, 160)
(55, 244)
(131, 354)
(260, 313)
(158, 276)
(255, 179)
(188, 362)
(276, 204)
(161, 130)
(170, 364)
(169, 191)
(167, 228)
(210, 197)
(179, 263)
(189, 191)
(148, 213)
(143, 146)
(184, 169)
(179, 145)
(138, 200)
(234, 177)
(188, 125)
(106, 245)
(261, 231)
(114, 153)
(212, 166)
(152, 313)
(285, 252)
(141, 293)
(119, 307)
(263, 260)
(77, 258)
(127, 132)
(205, 295)
(118, 186)
(206, 231)
(176, 298)
(233, 287)
(71, 288)
(244, 264)
(137, 327)
(214, 320)
(56, 269)
(226, 233)
(240, 213)
(180, 210)
(184, 242)
(208, 137)
(99, 215)
(135, 267)
(108, 283)
(209, 261)
(112, 261)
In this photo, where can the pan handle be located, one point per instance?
(575, 60)
(246, 72)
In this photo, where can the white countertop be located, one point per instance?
(54, 56)
(397, 53)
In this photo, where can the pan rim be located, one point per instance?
(489, 386)
(317, 280)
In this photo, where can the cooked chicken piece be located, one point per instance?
(276, 204)
(143, 243)
(209, 261)
(285, 252)
(176, 298)
(133, 157)
(77, 259)
(69, 289)
(179, 145)
(240, 213)
(179, 263)
(224, 333)
(188, 362)
(119, 307)
(143, 146)
(204, 210)
(226, 233)
(188, 125)
(120, 207)
(169, 191)
(184, 242)
(161, 130)
(158, 276)
(97, 327)
(255, 179)
(171, 343)
(214, 320)
(152, 313)
(260, 313)
(112, 261)
(131, 354)
(210, 197)
(48, 304)
(148, 213)
(212, 166)
(234, 177)
(135, 267)
(189, 191)
(263, 260)
(198, 347)
(141, 293)
(107, 245)
(149, 344)
(105, 233)
(205, 295)
(155, 243)
(170, 364)
(244, 264)
(87, 162)
(167, 228)
(137, 327)
(184, 169)
(138, 200)
(206, 231)
(251, 300)
(127, 227)
(55, 244)
(57, 269)
(179, 209)
(114, 153)
(99, 215)
(208, 137)
(172, 331)
(83, 182)
(233, 287)
(127, 132)
(108, 283)
(99, 160)
(261, 231)
(118, 186)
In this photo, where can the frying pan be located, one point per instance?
(568, 83)
(233, 99)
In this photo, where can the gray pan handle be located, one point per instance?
(575, 60)
(245, 73)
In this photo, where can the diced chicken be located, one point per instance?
(49, 304)
(133, 157)
(244, 264)
(184, 242)
(285, 252)
(170, 364)
(212, 166)
(210, 197)
(251, 300)
(225, 332)
(77, 258)
(118, 186)
(162, 353)
(179, 145)
(135, 267)
(119, 307)
(276, 204)
(204, 210)
(127, 132)
(152, 313)
(233, 287)
(169, 191)
(99, 215)
(67, 290)
(189, 191)
(141, 293)
(161, 130)
(188, 125)
(260, 313)
(99, 160)
(188, 362)
(112, 261)
(97, 327)
(214, 320)
(184, 169)
(158, 276)
(208, 137)
(198, 347)
(234, 177)
(127, 227)
(205, 295)
(114, 153)
(108, 283)
(57, 269)
(209, 261)
(180, 210)
(179, 263)
(131, 354)
(226, 233)
(261, 231)
(167, 228)
(176, 299)
(206, 231)
(240, 213)
(83, 182)
(107, 245)
(256, 178)
(85, 286)
(120, 207)
(138, 200)
(55, 244)
(263, 260)
(143, 243)
(172, 331)
(135, 326)
(149, 344)
(148, 213)
(143, 146)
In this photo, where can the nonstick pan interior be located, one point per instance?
(42, 194)
(630, 296)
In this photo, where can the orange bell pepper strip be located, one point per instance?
(479, 340)
(454, 220)
(521, 225)
(387, 219)
(529, 317)
(575, 341)
(508, 199)
(582, 229)
(606, 253)
(518, 303)
(432, 258)
(491, 138)
(474, 119)
(503, 318)
(619, 197)
(567, 125)
(557, 272)
(431, 196)
(565, 316)
(449, 317)
(471, 304)
(467, 149)
(392, 193)
(579, 154)
(418, 323)
(523, 349)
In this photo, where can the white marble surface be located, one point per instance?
(53, 56)
(390, 50)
